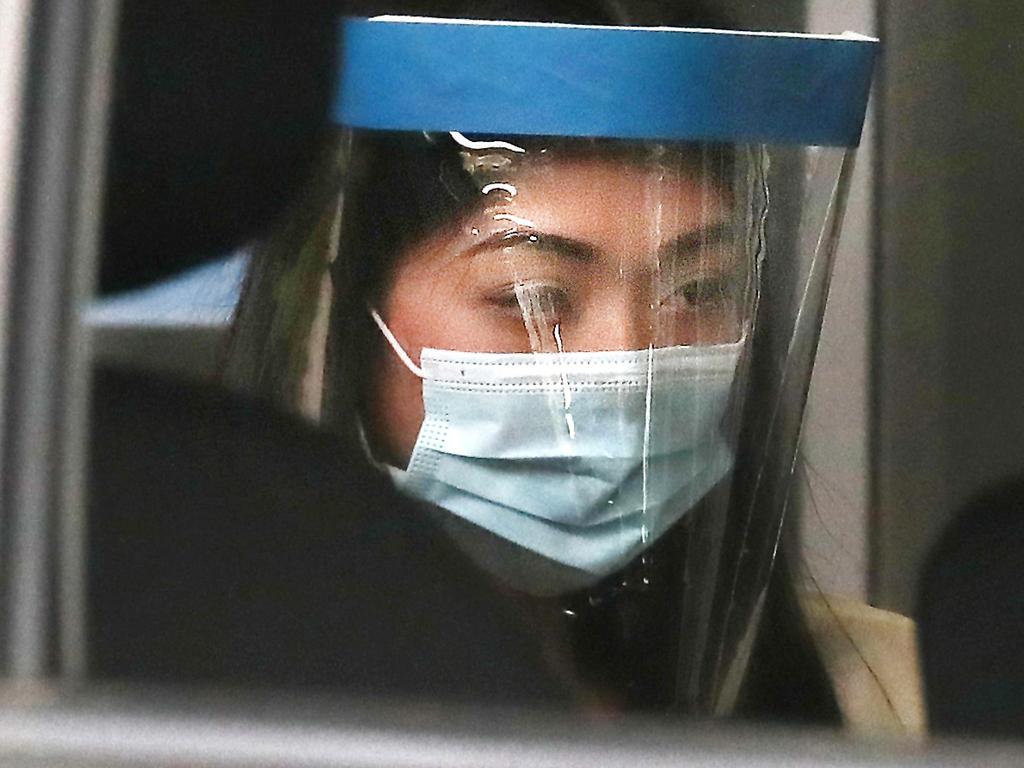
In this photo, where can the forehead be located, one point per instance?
(605, 198)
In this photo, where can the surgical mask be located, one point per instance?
(584, 458)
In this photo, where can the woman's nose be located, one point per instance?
(620, 322)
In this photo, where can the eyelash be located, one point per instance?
(708, 289)
(551, 297)
(714, 289)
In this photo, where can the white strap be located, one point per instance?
(402, 354)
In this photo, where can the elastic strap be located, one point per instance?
(395, 345)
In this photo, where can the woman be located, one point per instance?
(552, 339)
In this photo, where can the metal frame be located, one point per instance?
(55, 222)
(186, 729)
(15, 25)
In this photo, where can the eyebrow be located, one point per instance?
(689, 244)
(685, 245)
(566, 247)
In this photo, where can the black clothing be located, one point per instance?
(971, 619)
(231, 544)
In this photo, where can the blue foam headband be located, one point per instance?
(614, 82)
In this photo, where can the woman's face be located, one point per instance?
(569, 255)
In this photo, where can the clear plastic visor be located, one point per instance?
(590, 356)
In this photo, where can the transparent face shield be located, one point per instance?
(566, 345)
(588, 353)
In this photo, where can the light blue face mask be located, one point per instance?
(584, 458)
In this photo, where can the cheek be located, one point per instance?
(448, 304)
(422, 310)
(394, 409)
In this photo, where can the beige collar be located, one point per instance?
(871, 657)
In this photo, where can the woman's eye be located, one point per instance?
(546, 299)
(705, 291)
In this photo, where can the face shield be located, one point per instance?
(569, 294)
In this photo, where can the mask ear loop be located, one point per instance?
(397, 347)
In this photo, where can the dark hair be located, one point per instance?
(399, 188)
